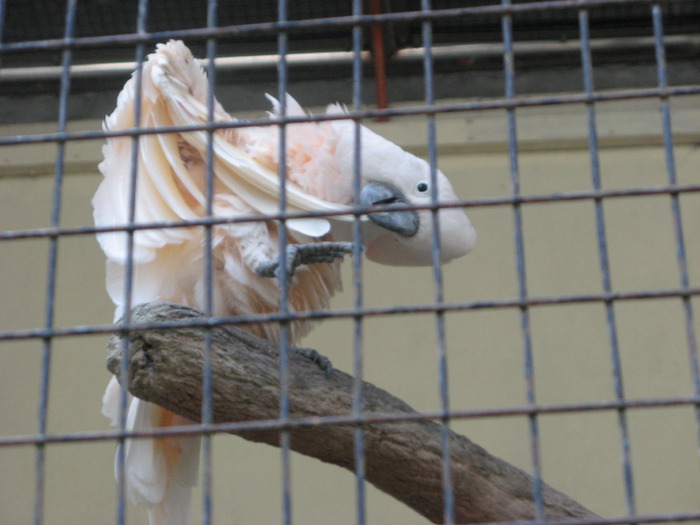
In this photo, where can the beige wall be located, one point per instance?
(580, 452)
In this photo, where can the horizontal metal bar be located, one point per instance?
(619, 520)
(481, 105)
(350, 419)
(306, 24)
(275, 317)
(51, 232)
(543, 48)
(31, 74)
(326, 58)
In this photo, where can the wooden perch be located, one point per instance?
(403, 458)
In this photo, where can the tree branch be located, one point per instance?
(403, 458)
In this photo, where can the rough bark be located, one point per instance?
(403, 458)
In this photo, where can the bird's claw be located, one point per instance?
(319, 359)
(300, 254)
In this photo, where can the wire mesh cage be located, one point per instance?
(565, 344)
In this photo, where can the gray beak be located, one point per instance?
(404, 223)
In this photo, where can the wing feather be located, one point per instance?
(168, 143)
(256, 184)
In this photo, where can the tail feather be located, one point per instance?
(182, 459)
(160, 472)
(175, 509)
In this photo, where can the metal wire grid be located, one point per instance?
(36, 20)
(524, 302)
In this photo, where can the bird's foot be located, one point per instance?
(321, 360)
(299, 254)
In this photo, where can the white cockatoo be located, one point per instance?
(168, 263)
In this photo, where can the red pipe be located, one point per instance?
(379, 58)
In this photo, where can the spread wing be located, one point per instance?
(171, 172)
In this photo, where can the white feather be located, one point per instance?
(110, 401)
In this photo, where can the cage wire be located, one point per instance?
(36, 56)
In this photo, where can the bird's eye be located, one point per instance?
(422, 187)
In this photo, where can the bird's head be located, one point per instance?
(393, 178)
